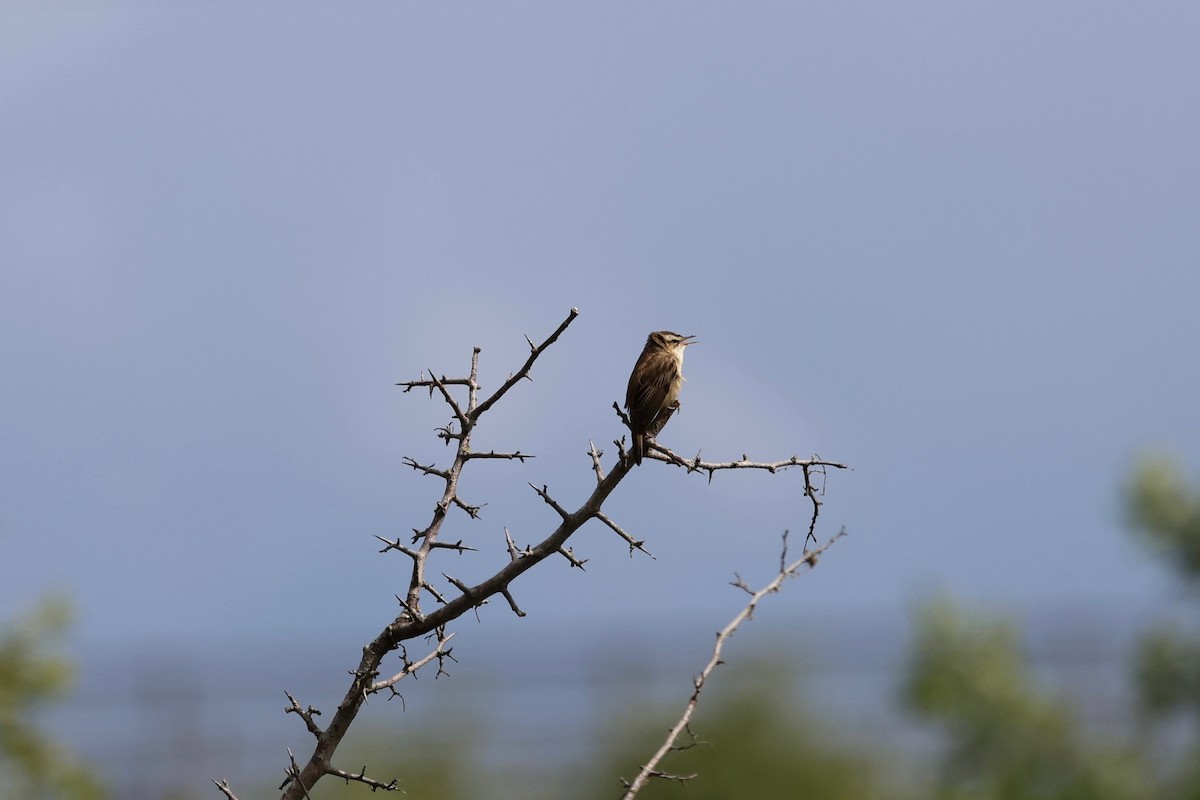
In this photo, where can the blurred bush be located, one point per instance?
(33, 677)
(753, 740)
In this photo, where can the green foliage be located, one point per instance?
(31, 765)
(1166, 511)
(1008, 737)
(754, 745)
(1168, 672)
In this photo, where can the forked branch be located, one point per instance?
(428, 604)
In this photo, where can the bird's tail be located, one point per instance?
(639, 448)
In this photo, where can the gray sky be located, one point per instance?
(953, 245)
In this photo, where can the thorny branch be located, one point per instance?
(786, 570)
(811, 468)
(417, 621)
(441, 653)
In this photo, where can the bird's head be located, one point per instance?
(669, 340)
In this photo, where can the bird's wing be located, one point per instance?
(645, 400)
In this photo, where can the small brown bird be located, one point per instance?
(653, 393)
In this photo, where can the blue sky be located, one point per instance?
(953, 245)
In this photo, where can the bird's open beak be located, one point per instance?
(689, 340)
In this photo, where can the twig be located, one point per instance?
(523, 372)
(633, 543)
(410, 667)
(809, 467)
(450, 401)
(225, 790)
(305, 714)
(512, 603)
(292, 777)
(516, 455)
(422, 382)
(569, 554)
(595, 455)
(544, 493)
(696, 464)
(361, 777)
(650, 769)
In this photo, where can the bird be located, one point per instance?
(653, 392)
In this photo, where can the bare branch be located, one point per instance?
(513, 552)
(597, 467)
(666, 776)
(395, 545)
(305, 714)
(446, 433)
(569, 554)
(523, 372)
(620, 413)
(414, 621)
(473, 382)
(292, 776)
(442, 656)
(411, 667)
(650, 769)
(693, 741)
(429, 587)
(633, 543)
(472, 511)
(811, 493)
(512, 603)
(462, 587)
(517, 455)
(810, 467)
(225, 790)
(423, 383)
(545, 495)
(361, 777)
(696, 464)
(458, 547)
(450, 401)
(427, 469)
